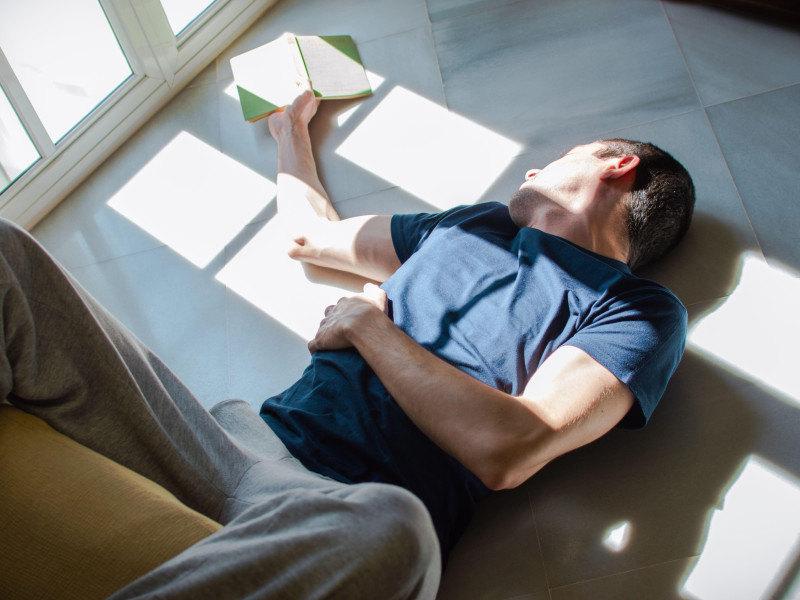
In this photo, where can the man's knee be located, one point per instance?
(396, 533)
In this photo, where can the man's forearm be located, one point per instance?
(300, 192)
(318, 236)
(569, 401)
(483, 428)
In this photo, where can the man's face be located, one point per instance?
(561, 184)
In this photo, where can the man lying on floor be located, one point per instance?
(502, 336)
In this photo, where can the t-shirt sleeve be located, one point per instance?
(409, 231)
(641, 341)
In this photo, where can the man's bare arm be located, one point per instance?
(361, 245)
(570, 401)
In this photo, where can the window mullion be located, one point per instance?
(153, 56)
(22, 106)
(145, 36)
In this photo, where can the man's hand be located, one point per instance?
(298, 113)
(360, 310)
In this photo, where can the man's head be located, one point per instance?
(630, 193)
(660, 202)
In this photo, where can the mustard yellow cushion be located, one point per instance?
(74, 524)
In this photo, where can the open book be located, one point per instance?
(266, 77)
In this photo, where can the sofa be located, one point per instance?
(76, 525)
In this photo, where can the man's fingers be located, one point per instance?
(376, 295)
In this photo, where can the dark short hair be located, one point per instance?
(660, 203)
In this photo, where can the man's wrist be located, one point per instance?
(372, 326)
(293, 133)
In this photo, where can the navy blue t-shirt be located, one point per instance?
(495, 301)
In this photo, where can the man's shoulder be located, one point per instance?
(484, 215)
(606, 281)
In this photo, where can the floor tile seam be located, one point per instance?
(703, 301)
(735, 185)
(682, 53)
(227, 301)
(604, 134)
(438, 64)
(390, 186)
(109, 259)
(362, 41)
(227, 307)
(160, 246)
(368, 40)
(753, 95)
(691, 74)
(625, 572)
(265, 217)
(538, 540)
(475, 11)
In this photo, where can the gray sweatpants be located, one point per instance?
(288, 533)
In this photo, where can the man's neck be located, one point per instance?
(599, 232)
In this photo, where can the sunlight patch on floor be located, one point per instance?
(292, 293)
(430, 152)
(755, 330)
(193, 198)
(753, 539)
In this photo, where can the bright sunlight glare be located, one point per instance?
(436, 155)
(618, 537)
(291, 293)
(193, 198)
(753, 538)
(755, 329)
(65, 55)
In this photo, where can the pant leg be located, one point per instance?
(294, 534)
(349, 542)
(67, 361)
(288, 533)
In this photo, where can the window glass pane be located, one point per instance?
(17, 152)
(182, 12)
(65, 56)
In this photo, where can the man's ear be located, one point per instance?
(620, 166)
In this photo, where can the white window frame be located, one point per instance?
(162, 65)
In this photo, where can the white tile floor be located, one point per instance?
(702, 504)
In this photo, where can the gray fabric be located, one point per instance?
(288, 533)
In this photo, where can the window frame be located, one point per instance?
(162, 64)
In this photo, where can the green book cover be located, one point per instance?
(266, 77)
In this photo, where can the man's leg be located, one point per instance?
(67, 361)
(287, 531)
(306, 537)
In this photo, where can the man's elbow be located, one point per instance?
(504, 468)
(508, 478)
(498, 479)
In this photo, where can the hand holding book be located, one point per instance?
(300, 111)
(266, 77)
